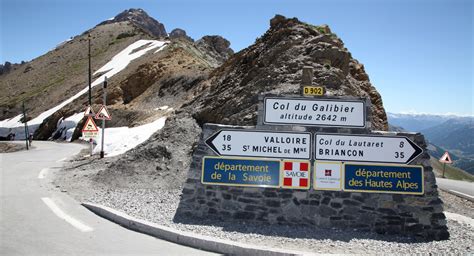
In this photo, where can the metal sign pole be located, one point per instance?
(444, 169)
(92, 145)
(26, 126)
(103, 120)
(90, 83)
(90, 71)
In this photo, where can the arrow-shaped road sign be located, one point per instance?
(365, 148)
(261, 144)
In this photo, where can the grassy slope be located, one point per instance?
(451, 172)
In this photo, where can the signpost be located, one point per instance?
(445, 159)
(365, 148)
(89, 111)
(314, 112)
(324, 148)
(251, 143)
(90, 130)
(395, 179)
(240, 172)
(27, 135)
(103, 115)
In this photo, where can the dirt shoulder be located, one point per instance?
(9, 147)
(456, 204)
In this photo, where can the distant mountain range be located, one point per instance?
(420, 122)
(451, 133)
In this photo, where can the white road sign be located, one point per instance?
(318, 112)
(290, 145)
(365, 148)
(103, 114)
(446, 158)
(89, 111)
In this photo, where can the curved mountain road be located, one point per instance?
(37, 219)
(461, 188)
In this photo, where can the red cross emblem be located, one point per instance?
(295, 174)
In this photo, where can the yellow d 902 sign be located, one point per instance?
(313, 90)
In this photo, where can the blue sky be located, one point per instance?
(418, 53)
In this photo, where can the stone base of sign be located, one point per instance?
(420, 216)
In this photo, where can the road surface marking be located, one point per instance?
(457, 192)
(60, 160)
(43, 173)
(77, 224)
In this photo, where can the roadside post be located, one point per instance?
(90, 70)
(103, 114)
(445, 159)
(26, 126)
(306, 87)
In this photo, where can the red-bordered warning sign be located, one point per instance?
(103, 114)
(446, 158)
(90, 125)
(90, 130)
(295, 174)
(89, 111)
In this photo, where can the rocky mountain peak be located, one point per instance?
(180, 33)
(282, 21)
(274, 63)
(141, 19)
(217, 46)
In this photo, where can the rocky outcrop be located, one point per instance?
(274, 65)
(5, 68)
(180, 33)
(140, 18)
(139, 81)
(216, 46)
(172, 147)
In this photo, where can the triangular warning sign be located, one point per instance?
(446, 158)
(89, 111)
(103, 114)
(90, 126)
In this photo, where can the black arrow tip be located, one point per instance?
(417, 152)
(211, 145)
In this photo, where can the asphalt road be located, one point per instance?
(38, 219)
(461, 188)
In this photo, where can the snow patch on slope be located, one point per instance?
(119, 140)
(167, 108)
(65, 127)
(120, 61)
